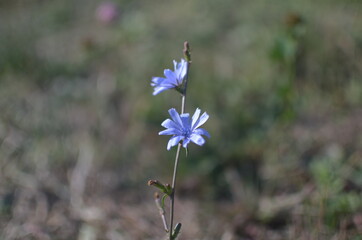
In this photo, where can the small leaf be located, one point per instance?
(176, 231)
(163, 200)
(159, 185)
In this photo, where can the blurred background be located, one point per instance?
(281, 81)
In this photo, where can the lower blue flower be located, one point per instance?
(185, 129)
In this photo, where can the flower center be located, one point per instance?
(186, 132)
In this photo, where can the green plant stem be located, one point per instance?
(183, 103)
(172, 197)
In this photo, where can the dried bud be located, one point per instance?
(156, 195)
(187, 52)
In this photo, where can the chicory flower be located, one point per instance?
(174, 79)
(185, 129)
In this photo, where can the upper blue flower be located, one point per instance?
(182, 127)
(173, 79)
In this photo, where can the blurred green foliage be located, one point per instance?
(337, 189)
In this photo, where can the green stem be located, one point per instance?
(183, 103)
(172, 197)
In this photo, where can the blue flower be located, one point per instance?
(174, 79)
(182, 127)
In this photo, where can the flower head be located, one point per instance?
(184, 128)
(107, 12)
(174, 79)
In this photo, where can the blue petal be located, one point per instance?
(162, 82)
(171, 76)
(170, 131)
(168, 123)
(197, 139)
(201, 121)
(157, 81)
(158, 90)
(175, 117)
(174, 141)
(186, 123)
(175, 65)
(196, 115)
(201, 131)
(185, 115)
(181, 71)
(186, 142)
(166, 84)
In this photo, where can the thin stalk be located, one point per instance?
(172, 198)
(161, 210)
(183, 103)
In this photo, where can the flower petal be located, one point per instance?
(157, 80)
(158, 90)
(201, 131)
(175, 117)
(196, 115)
(185, 142)
(197, 139)
(168, 123)
(186, 122)
(181, 71)
(175, 64)
(170, 131)
(162, 82)
(174, 141)
(201, 121)
(171, 76)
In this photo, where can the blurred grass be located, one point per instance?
(78, 124)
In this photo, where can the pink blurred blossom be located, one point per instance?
(107, 12)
